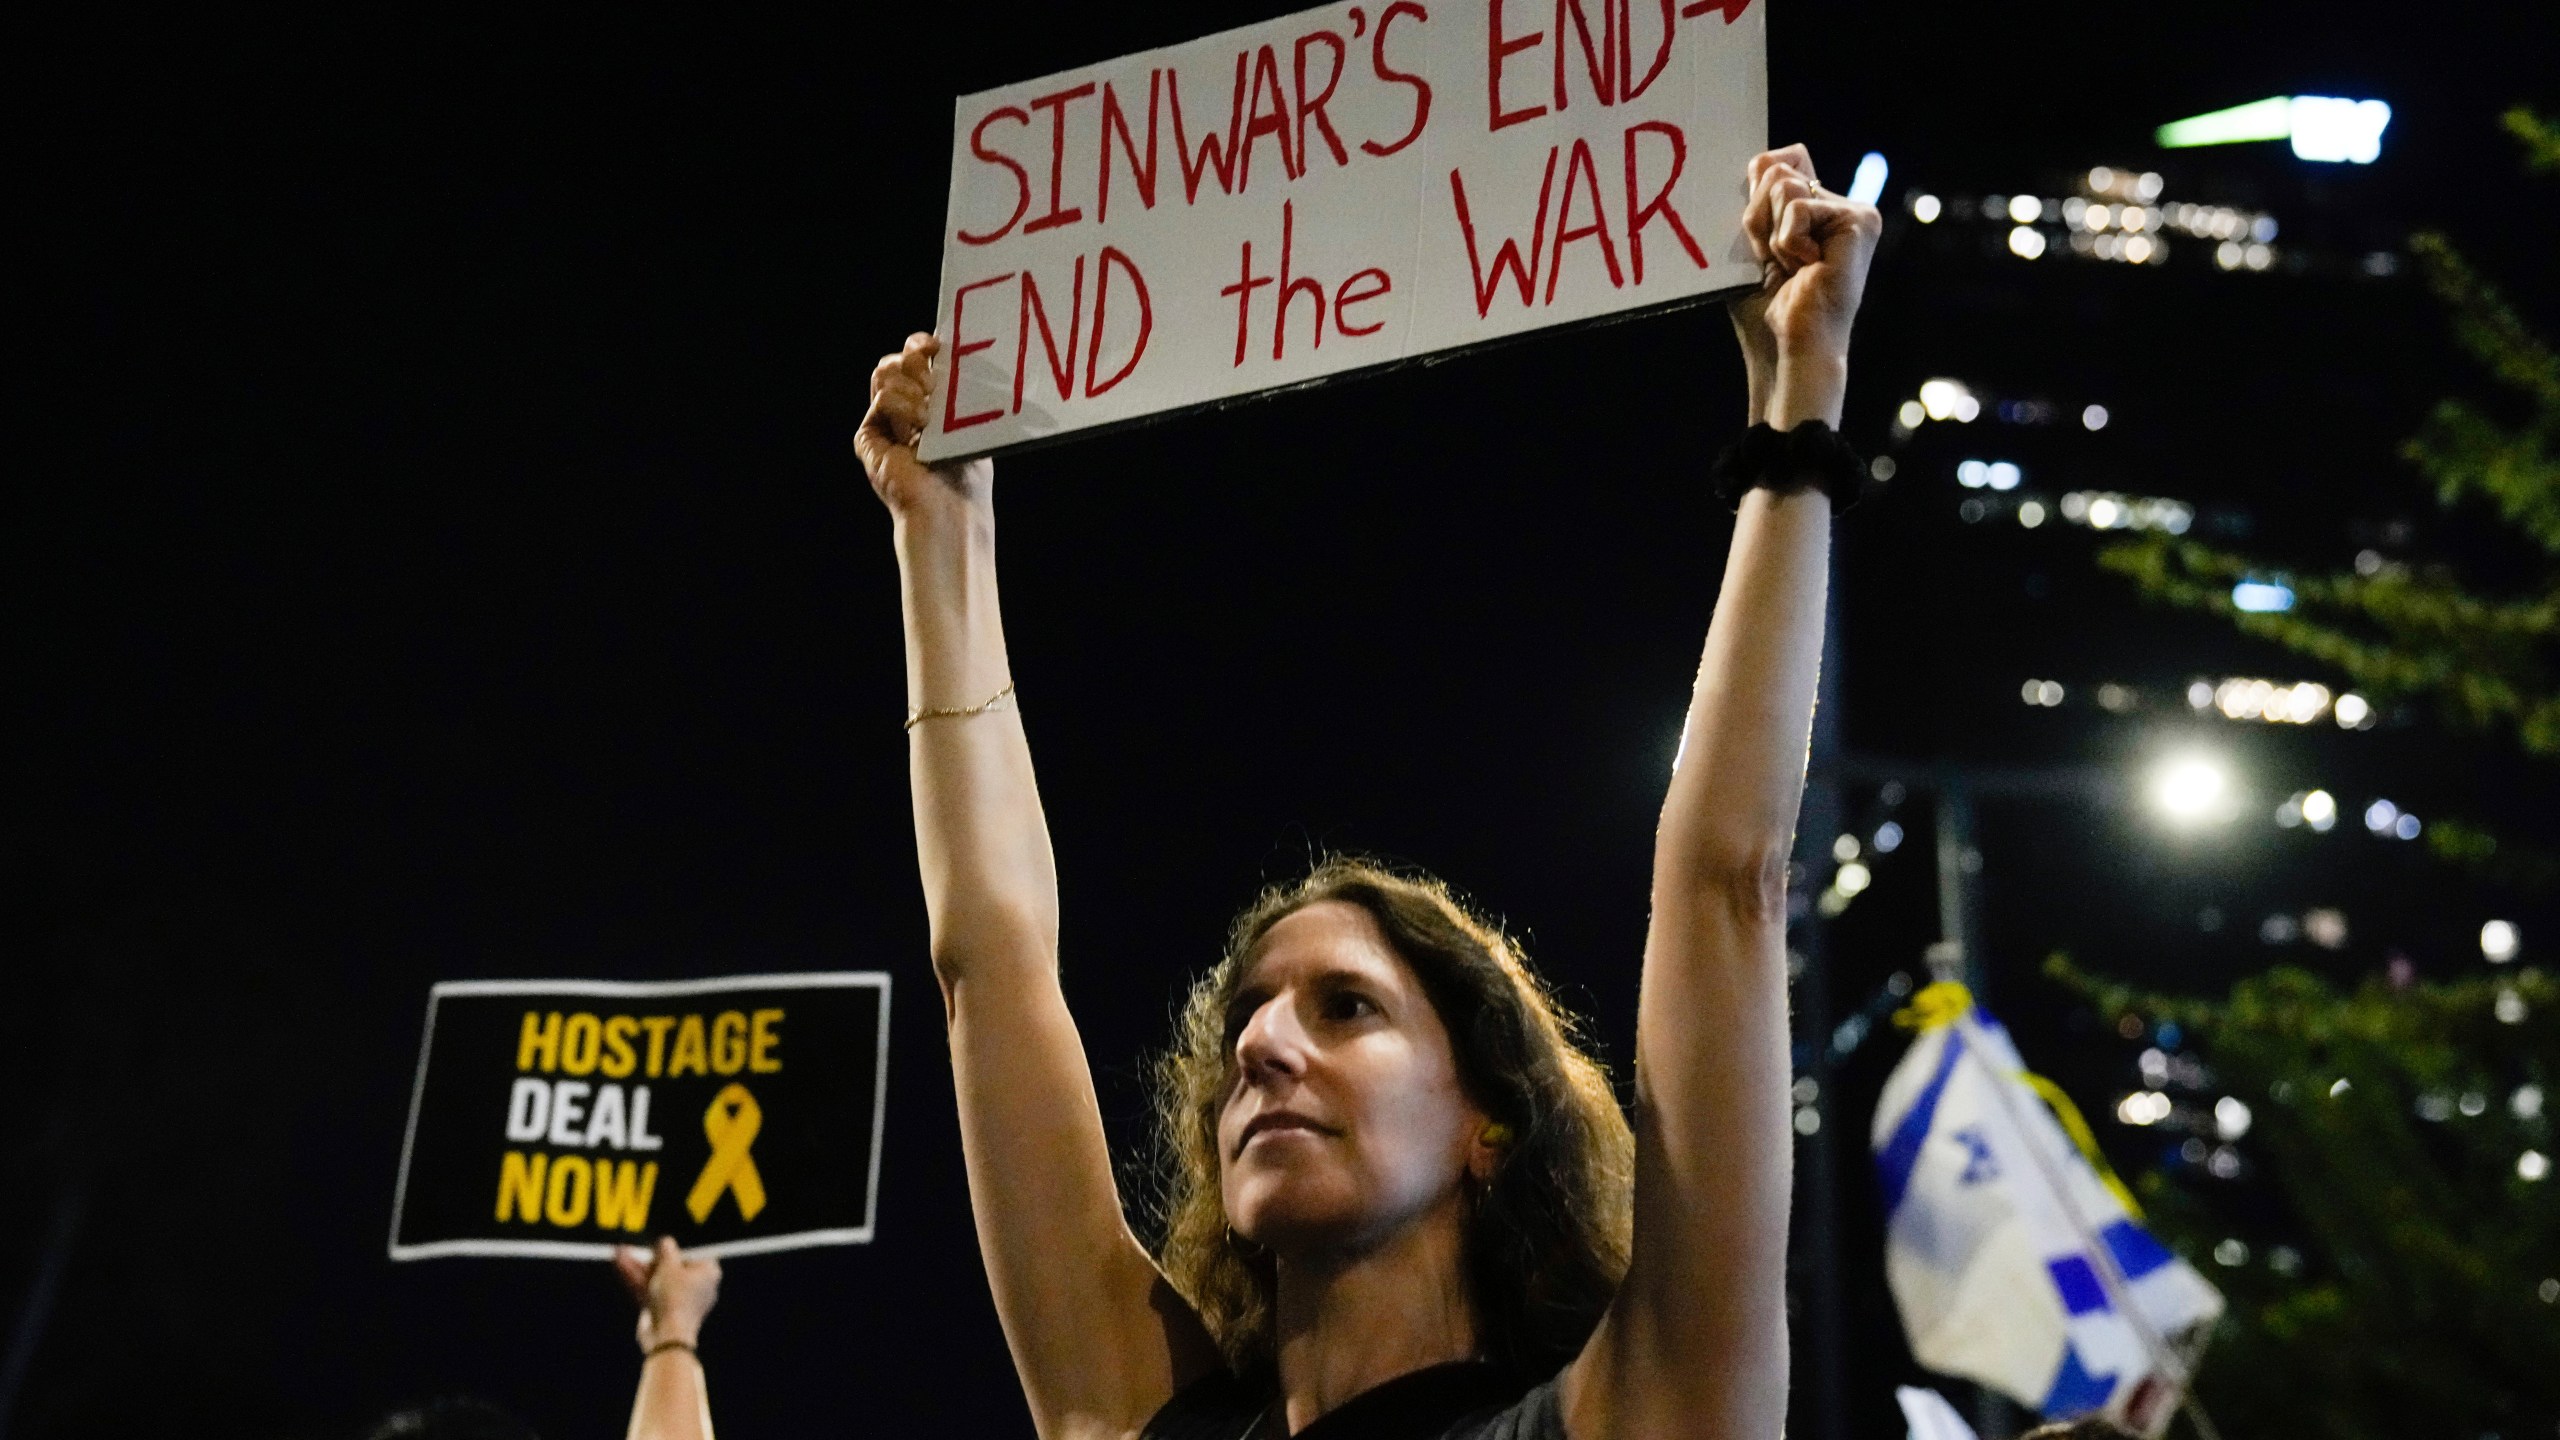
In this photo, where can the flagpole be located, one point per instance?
(2111, 1277)
(1960, 955)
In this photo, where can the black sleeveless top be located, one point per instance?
(1462, 1400)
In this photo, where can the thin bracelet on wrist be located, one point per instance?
(917, 714)
(663, 1346)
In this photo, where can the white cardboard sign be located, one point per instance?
(1348, 187)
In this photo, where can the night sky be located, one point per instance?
(441, 556)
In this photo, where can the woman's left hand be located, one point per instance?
(1814, 248)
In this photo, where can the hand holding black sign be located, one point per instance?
(564, 1118)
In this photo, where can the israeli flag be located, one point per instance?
(2014, 1263)
(1929, 1416)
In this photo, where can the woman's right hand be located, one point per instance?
(901, 401)
(674, 1292)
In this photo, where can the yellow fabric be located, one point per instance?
(1947, 1001)
(1936, 1006)
(2078, 1129)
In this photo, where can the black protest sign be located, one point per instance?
(560, 1118)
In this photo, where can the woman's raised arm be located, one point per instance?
(1696, 1341)
(1100, 1339)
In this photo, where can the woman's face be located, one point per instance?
(1344, 1119)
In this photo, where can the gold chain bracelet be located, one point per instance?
(917, 715)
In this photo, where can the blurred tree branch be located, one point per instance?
(2404, 1292)
(2490, 662)
(2401, 1130)
(2541, 138)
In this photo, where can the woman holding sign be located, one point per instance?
(1404, 1203)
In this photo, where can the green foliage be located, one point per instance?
(2490, 662)
(2400, 1292)
(2404, 1272)
(2505, 863)
(2398, 632)
(2541, 138)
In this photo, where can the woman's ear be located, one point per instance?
(1492, 1146)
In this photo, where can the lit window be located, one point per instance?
(1943, 399)
(2319, 810)
(2499, 941)
(1867, 186)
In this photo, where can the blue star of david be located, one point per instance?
(1979, 1164)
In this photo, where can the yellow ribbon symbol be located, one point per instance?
(732, 1123)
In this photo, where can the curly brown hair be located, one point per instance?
(1547, 1244)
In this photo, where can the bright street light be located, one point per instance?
(2192, 789)
(2321, 127)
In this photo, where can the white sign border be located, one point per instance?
(934, 439)
(598, 1250)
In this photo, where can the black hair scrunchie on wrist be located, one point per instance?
(1811, 456)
